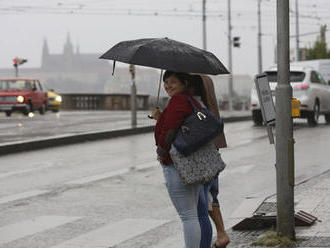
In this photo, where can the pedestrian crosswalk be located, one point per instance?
(21, 196)
(112, 234)
(107, 235)
(103, 237)
(28, 227)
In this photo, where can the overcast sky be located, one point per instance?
(96, 25)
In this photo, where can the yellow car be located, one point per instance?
(54, 101)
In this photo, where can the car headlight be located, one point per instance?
(20, 99)
(58, 98)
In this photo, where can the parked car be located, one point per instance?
(309, 88)
(54, 101)
(22, 95)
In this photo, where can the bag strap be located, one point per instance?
(192, 104)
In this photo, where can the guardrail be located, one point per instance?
(102, 102)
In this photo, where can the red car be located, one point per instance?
(22, 95)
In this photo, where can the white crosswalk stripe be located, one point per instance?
(112, 234)
(22, 229)
(23, 195)
(110, 174)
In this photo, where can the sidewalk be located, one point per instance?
(20, 133)
(312, 196)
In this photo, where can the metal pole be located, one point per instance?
(230, 78)
(284, 130)
(259, 40)
(204, 25)
(133, 103)
(297, 33)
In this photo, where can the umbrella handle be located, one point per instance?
(159, 85)
(150, 117)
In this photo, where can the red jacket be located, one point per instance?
(177, 109)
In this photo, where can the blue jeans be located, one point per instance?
(214, 191)
(203, 216)
(185, 200)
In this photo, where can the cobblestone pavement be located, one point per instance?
(312, 196)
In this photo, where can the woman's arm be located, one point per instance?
(178, 109)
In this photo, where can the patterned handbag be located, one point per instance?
(197, 129)
(200, 166)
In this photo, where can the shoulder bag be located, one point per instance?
(197, 129)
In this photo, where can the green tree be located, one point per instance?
(319, 49)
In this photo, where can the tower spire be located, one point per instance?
(45, 54)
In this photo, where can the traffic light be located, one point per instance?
(236, 42)
(17, 61)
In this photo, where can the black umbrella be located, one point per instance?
(167, 54)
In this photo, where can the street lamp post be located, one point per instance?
(204, 25)
(259, 39)
(230, 76)
(133, 96)
(284, 128)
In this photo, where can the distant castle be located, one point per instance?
(70, 61)
(68, 72)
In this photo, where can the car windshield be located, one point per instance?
(15, 85)
(295, 76)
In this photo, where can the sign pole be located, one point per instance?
(284, 128)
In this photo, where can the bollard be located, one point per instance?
(295, 103)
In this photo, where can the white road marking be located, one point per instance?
(242, 169)
(147, 165)
(112, 234)
(13, 173)
(23, 195)
(22, 229)
(110, 174)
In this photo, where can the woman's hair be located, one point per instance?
(196, 84)
(183, 77)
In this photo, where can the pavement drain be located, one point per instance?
(267, 207)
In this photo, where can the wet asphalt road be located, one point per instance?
(118, 183)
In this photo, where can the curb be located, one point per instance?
(69, 140)
(31, 145)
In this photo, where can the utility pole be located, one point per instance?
(230, 76)
(297, 33)
(259, 39)
(204, 24)
(284, 127)
(133, 96)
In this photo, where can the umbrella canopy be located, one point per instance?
(167, 54)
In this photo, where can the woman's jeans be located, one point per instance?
(185, 200)
(203, 215)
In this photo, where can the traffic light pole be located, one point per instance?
(284, 128)
(16, 70)
(297, 33)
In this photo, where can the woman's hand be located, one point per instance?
(155, 113)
